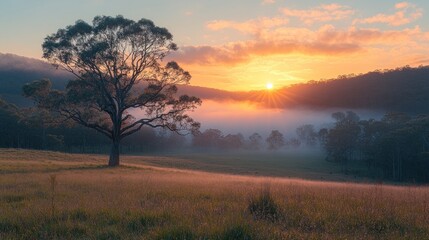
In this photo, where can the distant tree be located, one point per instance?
(175, 141)
(343, 118)
(255, 141)
(400, 146)
(307, 135)
(10, 127)
(293, 143)
(322, 136)
(369, 141)
(342, 140)
(395, 119)
(117, 65)
(275, 140)
(39, 120)
(145, 140)
(210, 138)
(232, 141)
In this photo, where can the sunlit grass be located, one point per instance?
(93, 202)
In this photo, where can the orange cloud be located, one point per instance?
(326, 41)
(234, 53)
(323, 13)
(402, 5)
(368, 36)
(405, 14)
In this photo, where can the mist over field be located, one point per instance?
(247, 117)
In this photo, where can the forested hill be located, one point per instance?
(403, 89)
(15, 71)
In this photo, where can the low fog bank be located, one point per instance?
(232, 117)
(237, 127)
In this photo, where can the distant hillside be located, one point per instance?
(15, 71)
(403, 89)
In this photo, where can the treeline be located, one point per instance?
(33, 129)
(214, 139)
(393, 148)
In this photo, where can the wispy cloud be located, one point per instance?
(402, 5)
(300, 41)
(327, 40)
(323, 13)
(265, 2)
(365, 37)
(250, 26)
(405, 14)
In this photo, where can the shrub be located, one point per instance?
(143, 222)
(263, 206)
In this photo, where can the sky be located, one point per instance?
(245, 44)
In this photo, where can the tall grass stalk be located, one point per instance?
(53, 184)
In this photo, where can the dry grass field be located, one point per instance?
(49, 195)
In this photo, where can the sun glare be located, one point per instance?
(269, 86)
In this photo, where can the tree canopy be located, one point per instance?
(120, 75)
(275, 140)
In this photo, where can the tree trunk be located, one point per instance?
(114, 154)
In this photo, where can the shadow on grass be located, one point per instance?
(62, 169)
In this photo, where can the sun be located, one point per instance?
(269, 86)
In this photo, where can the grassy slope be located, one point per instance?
(89, 201)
